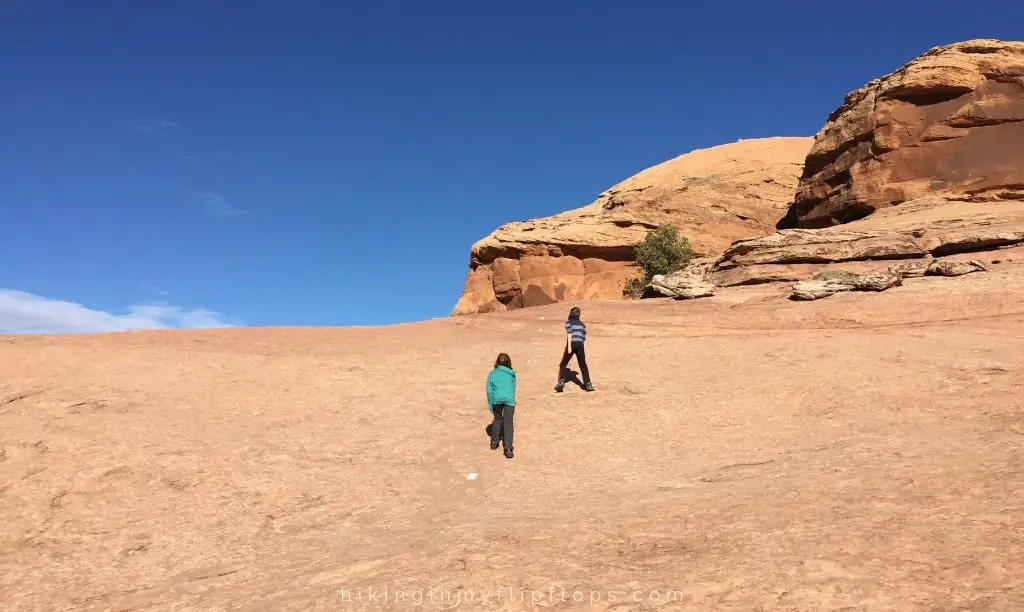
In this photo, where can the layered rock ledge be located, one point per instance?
(919, 231)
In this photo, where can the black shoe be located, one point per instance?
(508, 453)
(560, 386)
(588, 387)
(494, 446)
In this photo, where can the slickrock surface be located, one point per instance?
(742, 452)
(714, 196)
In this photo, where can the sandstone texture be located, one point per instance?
(911, 235)
(743, 452)
(955, 268)
(911, 269)
(948, 123)
(714, 196)
(879, 281)
(817, 289)
(830, 283)
(681, 286)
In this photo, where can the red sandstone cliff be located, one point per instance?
(949, 123)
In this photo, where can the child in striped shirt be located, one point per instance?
(576, 335)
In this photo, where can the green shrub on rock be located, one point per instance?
(662, 251)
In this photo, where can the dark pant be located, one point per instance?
(575, 348)
(502, 428)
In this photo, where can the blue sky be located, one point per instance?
(190, 163)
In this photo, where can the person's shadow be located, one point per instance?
(572, 376)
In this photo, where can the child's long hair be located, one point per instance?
(503, 360)
(574, 313)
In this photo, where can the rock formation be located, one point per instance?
(916, 234)
(923, 165)
(680, 285)
(830, 283)
(913, 173)
(816, 289)
(714, 196)
(950, 123)
(955, 268)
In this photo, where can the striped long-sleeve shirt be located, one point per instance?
(576, 329)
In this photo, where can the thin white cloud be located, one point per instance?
(218, 206)
(25, 313)
(158, 126)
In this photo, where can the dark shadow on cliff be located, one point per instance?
(790, 220)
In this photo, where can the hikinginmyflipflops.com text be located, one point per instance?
(498, 595)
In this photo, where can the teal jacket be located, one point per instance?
(501, 387)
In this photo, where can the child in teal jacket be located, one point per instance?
(501, 401)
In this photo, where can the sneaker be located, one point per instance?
(494, 446)
(588, 387)
(508, 453)
(560, 386)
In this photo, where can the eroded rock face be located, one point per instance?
(714, 196)
(680, 285)
(817, 289)
(824, 285)
(906, 239)
(911, 269)
(878, 281)
(955, 268)
(950, 122)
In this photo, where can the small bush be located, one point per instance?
(662, 251)
(634, 288)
